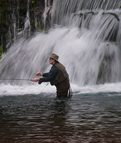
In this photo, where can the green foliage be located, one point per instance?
(33, 1)
(33, 9)
(1, 51)
(4, 6)
(38, 25)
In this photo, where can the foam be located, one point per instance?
(15, 90)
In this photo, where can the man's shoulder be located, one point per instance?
(54, 67)
(59, 65)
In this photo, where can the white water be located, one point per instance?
(48, 90)
(88, 54)
(62, 10)
(79, 54)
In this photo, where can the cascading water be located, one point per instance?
(84, 34)
(27, 22)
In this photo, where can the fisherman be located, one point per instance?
(57, 76)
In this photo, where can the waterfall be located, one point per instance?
(64, 8)
(85, 35)
(27, 22)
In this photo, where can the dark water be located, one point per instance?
(85, 118)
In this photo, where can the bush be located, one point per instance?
(1, 51)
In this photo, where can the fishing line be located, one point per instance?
(44, 87)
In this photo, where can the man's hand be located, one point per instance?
(39, 74)
(35, 79)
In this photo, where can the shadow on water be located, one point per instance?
(92, 118)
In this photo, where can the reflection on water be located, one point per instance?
(82, 119)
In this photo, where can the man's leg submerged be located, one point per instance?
(63, 89)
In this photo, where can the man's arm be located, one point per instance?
(45, 74)
(49, 76)
(40, 74)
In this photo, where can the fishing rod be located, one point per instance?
(17, 79)
(27, 80)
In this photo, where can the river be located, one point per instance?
(33, 114)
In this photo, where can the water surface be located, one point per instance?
(85, 118)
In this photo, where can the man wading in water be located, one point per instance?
(57, 76)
